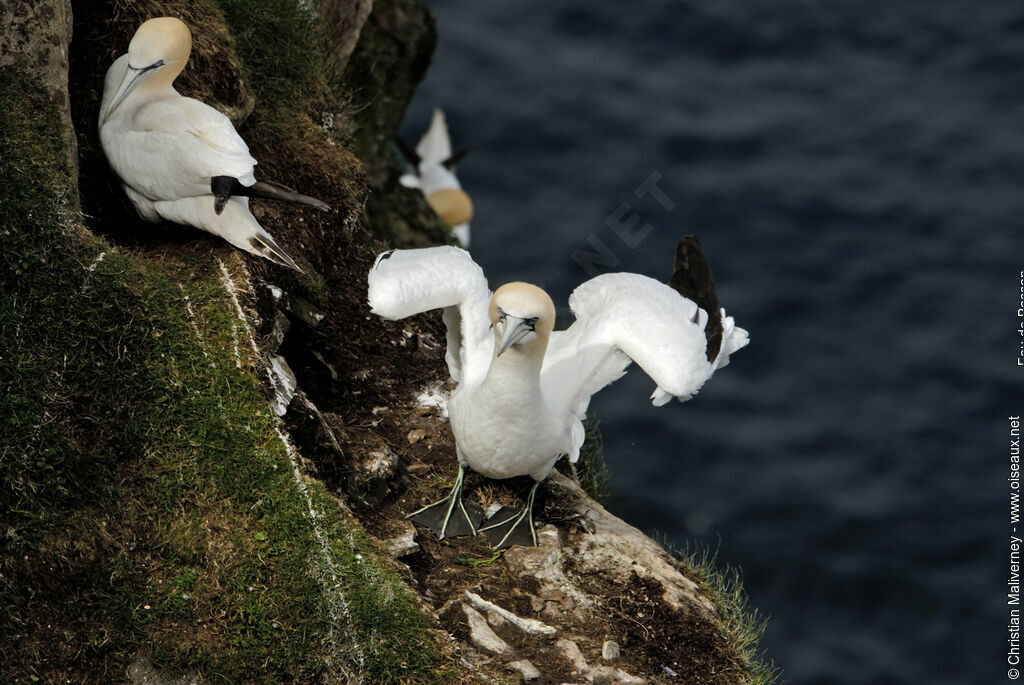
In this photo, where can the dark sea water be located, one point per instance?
(854, 172)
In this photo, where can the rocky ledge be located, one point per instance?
(236, 494)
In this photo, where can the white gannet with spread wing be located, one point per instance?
(433, 172)
(179, 159)
(523, 387)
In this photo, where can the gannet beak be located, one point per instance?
(129, 82)
(513, 329)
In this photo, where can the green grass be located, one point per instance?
(149, 507)
(742, 626)
(280, 49)
(591, 468)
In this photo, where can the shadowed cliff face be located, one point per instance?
(156, 516)
(35, 37)
(163, 519)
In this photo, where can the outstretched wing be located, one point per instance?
(628, 317)
(407, 282)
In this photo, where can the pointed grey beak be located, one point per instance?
(512, 330)
(129, 82)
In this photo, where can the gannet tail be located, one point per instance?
(224, 187)
(263, 245)
(238, 226)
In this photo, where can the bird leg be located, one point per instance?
(451, 517)
(512, 527)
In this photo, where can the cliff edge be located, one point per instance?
(207, 459)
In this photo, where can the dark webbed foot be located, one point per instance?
(451, 517)
(511, 526)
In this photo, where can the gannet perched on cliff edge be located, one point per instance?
(433, 172)
(179, 159)
(523, 388)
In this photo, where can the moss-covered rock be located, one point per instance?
(390, 59)
(159, 517)
(154, 509)
(34, 36)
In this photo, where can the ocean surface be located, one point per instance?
(855, 173)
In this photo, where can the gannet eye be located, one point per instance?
(501, 314)
(531, 322)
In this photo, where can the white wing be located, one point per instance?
(435, 146)
(179, 144)
(629, 317)
(434, 176)
(407, 282)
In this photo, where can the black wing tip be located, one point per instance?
(457, 157)
(692, 275)
(690, 255)
(409, 152)
(693, 279)
(223, 187)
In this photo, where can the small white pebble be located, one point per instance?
(610, 650)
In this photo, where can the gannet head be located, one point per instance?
(157, 54)
(522, 315)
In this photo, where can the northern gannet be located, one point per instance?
(180, 159)
(433, 172)
(523, 387)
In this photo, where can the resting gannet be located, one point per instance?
(523, 387)
(179, 159)
(433, 172)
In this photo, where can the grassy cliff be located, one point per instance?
(159, 519)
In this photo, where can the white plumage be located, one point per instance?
(524, 389)
(433, 174)
(168, 149)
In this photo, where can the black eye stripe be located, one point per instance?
(531, 321)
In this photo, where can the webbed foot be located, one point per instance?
(451, 517)
(510, 526)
